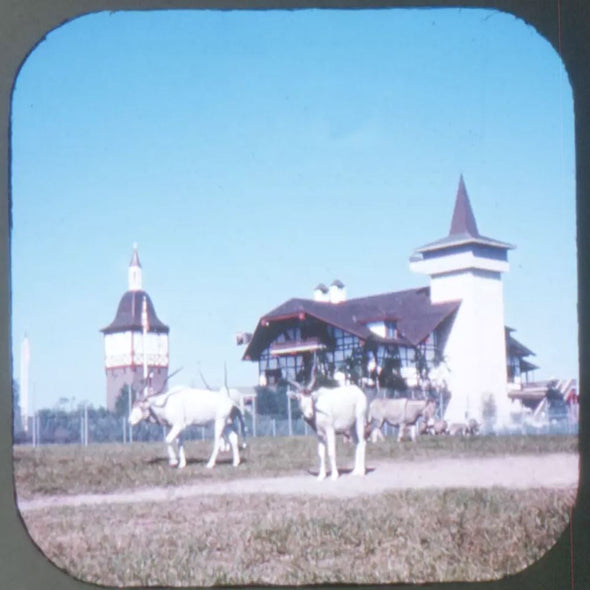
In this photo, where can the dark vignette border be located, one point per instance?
(564, 23)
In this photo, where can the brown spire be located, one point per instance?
(463, 219)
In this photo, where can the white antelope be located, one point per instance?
(331, 411)
(401, 412)
(183, 406)
(469, 428)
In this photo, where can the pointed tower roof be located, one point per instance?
(463, 221)
(463, 227)
(128, 316)
(135, 257)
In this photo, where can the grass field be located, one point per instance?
(411, 536)
(396, 536)
(72, 469)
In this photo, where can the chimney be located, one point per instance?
(337, 292)
(321, 293)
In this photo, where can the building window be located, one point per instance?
(273, 376)
(390, 329)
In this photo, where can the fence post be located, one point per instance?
(289, 416)
(274, 427)
(86, 424)
(124, 430)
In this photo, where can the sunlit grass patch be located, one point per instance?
(411, 536)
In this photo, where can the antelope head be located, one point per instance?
(139, 411)
(303, 395)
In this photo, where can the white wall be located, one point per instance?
(377, 328)
(476, 348)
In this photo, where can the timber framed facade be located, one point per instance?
(374, 339)
(448, 336)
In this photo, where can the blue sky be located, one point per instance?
(252, 155)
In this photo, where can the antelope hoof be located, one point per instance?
(358, 473)
(235, 463)
(173, 463)
(321, 477)
(181, 465)
(210, 465)
(334, 475)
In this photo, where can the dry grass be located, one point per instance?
(404, 536)
(72, 469)
(410, 536)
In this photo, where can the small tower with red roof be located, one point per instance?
(136, 341)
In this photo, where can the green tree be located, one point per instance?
(122, 407)
(489, 411)
(16, 411)
(271, 401)
(390, 377)
(355, 364)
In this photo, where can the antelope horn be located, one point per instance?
(313, 373)
(295, 385)
(161, 390)
(203, 379)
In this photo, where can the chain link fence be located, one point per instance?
(99, 426)
(92, 426)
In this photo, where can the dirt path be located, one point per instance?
(559, 470)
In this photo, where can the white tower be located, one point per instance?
(135, 342)
(466, 266)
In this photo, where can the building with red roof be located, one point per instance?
(450, 333)
(135, 342)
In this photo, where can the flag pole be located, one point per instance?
(145, 326)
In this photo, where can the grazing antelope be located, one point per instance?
(183, 406)
(400, 412)
(469, 428)
(437, 427)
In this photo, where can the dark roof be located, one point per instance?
(515, 347)
(463, 219)
(463, 227)
(415, 316)
(526, 366)
(128, 315)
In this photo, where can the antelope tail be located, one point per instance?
(236, 413)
